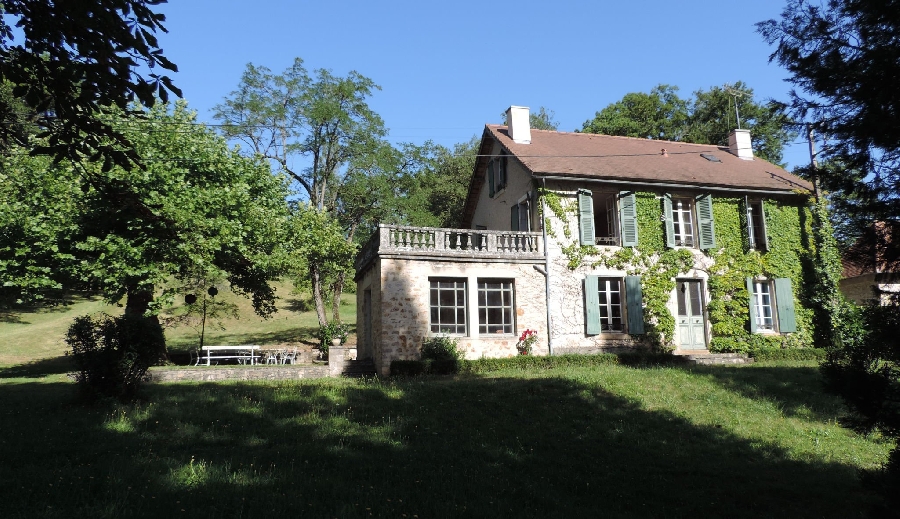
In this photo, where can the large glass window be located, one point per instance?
(496, 306)
(448, 306)
(610, 297)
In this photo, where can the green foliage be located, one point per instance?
(707, 118)
(197, 211)
(113, 353)
(728, 307)
(839, 55)
(441, 348)
(68, 73)
(816, 354)
(661, 114)
(332, 330)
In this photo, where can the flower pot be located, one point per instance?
(336, 342)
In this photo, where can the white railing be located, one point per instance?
(462, 242)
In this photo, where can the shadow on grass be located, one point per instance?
(478, 447)
(39, 368)
(57, 302)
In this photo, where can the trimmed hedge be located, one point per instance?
(528, 362)
(788, 354)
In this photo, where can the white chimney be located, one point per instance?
(739, 144)
(519, 124)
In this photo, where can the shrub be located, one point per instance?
(441, 348)
(113, 354)
(788, 354)
(332, 330)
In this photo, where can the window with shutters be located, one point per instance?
(520, 218)
(689, 221)
(771, 305)
(496, 306)
(448, 306)
(607, 218)
(613, 305)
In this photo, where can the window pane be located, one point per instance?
(495, 306)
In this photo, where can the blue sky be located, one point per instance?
(447, 68)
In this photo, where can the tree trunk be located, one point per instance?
(337, 289)
(137, 302)
(316, 278)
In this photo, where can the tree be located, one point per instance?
(661, 114)
(843, 59)
(75, 60)
(706, 118)
(322, 122)
(198, 210)
(712, 116)
(543, 119)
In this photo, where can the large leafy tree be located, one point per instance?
(198, 210)
(660, 114)
(844, 59)
(705, 118)
(72, 60)
(317, 130)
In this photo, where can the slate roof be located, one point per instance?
(625, 158)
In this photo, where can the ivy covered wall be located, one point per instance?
(727, 266)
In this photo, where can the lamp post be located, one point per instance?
(191, 299)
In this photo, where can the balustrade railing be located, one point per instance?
(468, 242)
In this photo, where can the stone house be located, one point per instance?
(871, 267)
(599, 244)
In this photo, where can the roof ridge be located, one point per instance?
(624, 137)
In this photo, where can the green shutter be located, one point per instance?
(784, 302)
(501, 178)
(752, 305)
(628, 218)
(586, 216)
(670, 223)
(634, 304)
(514, 218)
(705, 222)
(490, 176)
(591, 305)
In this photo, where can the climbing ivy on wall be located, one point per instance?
(728, 309)
(787, 256)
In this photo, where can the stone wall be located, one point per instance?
(405, 307)
(216, 373)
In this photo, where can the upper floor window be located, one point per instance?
(689, 221)
(756, 225)
(497, 174)
(520, 214)
(607, 218)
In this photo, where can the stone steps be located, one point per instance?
(717, 358)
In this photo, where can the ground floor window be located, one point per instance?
(496, 306)
(448, 306)
(762, 305)
(610, 299)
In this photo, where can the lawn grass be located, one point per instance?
(605, 441)
(35, 336)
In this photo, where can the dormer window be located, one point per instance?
(496, 173)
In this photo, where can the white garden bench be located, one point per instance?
(242, 352)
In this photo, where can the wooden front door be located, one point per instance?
(691, 326)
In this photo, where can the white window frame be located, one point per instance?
(606, 293)
(507, 306)
(763, 299)
(612, 235)
(683, 216)
(435, 305)
(756, 226)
